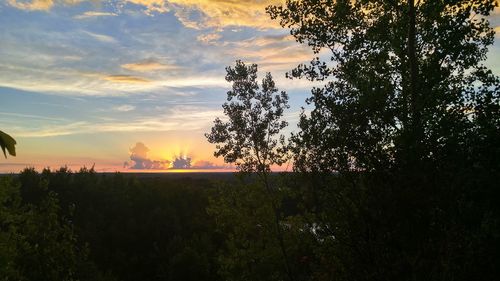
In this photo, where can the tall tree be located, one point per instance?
(401, 74)
(406, 117)
(251, 136)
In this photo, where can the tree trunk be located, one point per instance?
(416, 126)
(279, 232)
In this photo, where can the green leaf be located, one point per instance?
(7, 142)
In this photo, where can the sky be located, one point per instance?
(133, 85)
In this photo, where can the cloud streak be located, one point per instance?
(40, 5)
(101, 37)
(94, 14)
(176, 119)
(125, 79)
(148, 66)
(74, 82)
(207, 165)
(124, 108)
(34, 5)
(209, 39)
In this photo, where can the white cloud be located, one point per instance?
(72, 82)
(101, 37)
(178, 118)
(124, 108)
(94, 14)
(158, 6)
(209, 39)
(125, 79)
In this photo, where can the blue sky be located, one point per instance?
(81, 82)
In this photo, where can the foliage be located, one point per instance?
(7, 143)
(244, 213)
(150, 228)
(395, 146)
(250, 138)
(371, 112)
(36, 243)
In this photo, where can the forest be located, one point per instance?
(395, 168)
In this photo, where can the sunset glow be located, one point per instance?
(83, 82)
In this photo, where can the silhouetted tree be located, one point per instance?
(405, 81)
(251, 137)
(409, 118)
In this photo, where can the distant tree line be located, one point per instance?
(63, 225)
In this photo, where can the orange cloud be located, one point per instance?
(34, 5)
(208, 165)
(125, 79)
(264, 41)
(278, 52)
(222, 13)
(40, 5)
(148, 65)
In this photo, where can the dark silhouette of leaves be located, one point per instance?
(7, 143)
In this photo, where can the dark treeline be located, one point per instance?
(62, 225)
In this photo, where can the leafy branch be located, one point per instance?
(7, 143)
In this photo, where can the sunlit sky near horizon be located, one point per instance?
(83, 82)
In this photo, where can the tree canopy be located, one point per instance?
(404, 83)
(251, 137)
(409, 117)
